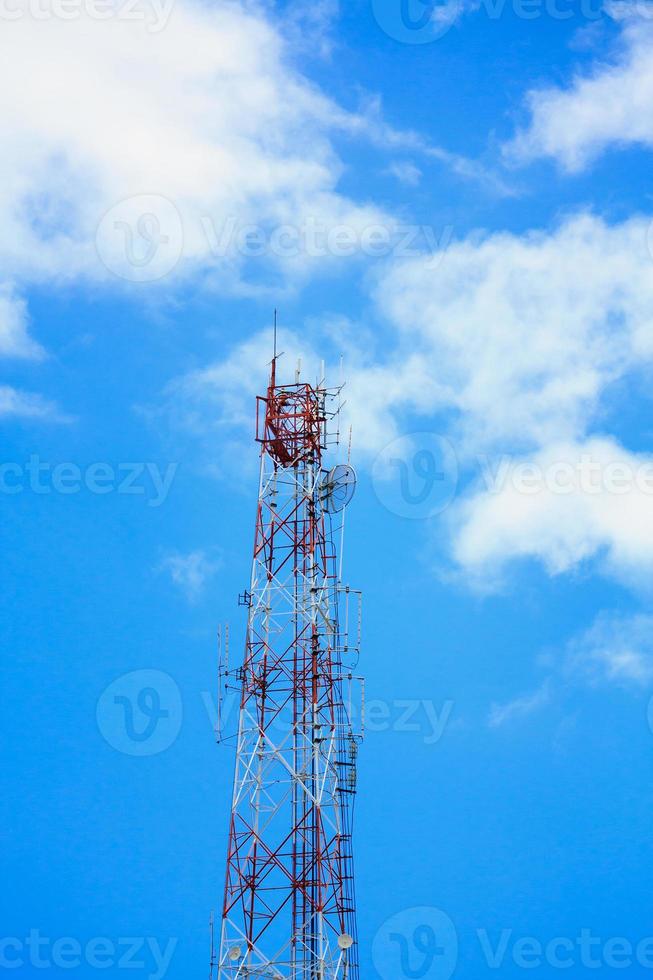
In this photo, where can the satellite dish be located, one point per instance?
(345, 941)
(337, 488)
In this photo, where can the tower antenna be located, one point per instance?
(275, 334)
(289, 909)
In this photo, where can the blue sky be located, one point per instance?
(462, 210)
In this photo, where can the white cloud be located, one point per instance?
(195, 115)
(405, 172)
(521, 334)
(190, 572)
(146, 145)
(501, 330)
(609, 106)
(207, 114)
(24, 404)
(187, 125)
(616, 649)
(520, 707)
(578, 502)
(520, 337)
(14, 340)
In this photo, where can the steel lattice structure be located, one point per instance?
(289, 907)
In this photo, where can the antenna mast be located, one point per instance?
(289, 907)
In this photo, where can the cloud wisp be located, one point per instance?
(607, 107)
(17, 404)
(190, 572)
(519, 708)
(615, 651)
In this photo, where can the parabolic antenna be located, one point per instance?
(337, 488)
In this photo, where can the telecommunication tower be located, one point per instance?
(289, 909)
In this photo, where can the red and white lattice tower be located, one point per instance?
(289, 909)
